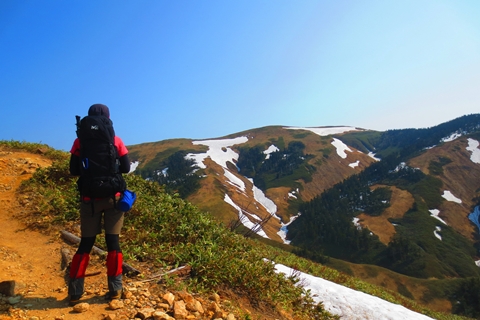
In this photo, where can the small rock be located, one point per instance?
(116, 304)
(81, 307)
(145, 313)
(158, 315)
(110, 316)
(195, 306)
(164, 306)
(169, 298)
(215, 297)
(216, 310)
(179, 310)
(145, 293)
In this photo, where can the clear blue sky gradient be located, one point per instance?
(205, 69)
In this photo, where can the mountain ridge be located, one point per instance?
(326, 161)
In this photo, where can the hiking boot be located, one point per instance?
(112, 295)
(74, 299)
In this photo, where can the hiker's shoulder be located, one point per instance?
(122, 149)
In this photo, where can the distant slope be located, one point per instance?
(231, 195)
(396, 200)
(258, 179)
(433, 237)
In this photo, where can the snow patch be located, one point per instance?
(434, 213)
(270, 149)
(436, 232)
(450, 197)
(234, 180)
(244, 219)
(355, 164)
(260, 197)
(284, 229)
(133, 166)
(218, 150)
(325, 131)
(451, 137)
(348, 303)
(473, 148)
(401, 166)
(372, 155)
(356, 224)
(341, 148)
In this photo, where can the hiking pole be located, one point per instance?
(77, 124)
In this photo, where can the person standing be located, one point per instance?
(99, 158)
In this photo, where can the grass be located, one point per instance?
(163, 230)
(37, 148)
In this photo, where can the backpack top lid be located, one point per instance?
(97, 125)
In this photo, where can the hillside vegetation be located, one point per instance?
(163, 231)
(346, 201)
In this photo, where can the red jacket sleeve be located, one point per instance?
(122, 150)
(76, 148)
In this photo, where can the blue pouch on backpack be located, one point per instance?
(126, 201)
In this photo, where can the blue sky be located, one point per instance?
(206, 69)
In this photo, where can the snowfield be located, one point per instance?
(348, 303)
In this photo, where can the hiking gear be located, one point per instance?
(79, 265)
(77, 274)
(74, 299)
(75, 288)
(97, 213)
(127, 200)
(100, 175)
(114, 263)
(112, 295)
(113, 242)
(114, 270)
(86, 244)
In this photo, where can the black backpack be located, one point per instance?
(100, 175)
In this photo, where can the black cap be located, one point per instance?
(99, 109)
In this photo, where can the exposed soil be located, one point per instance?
(401, 202)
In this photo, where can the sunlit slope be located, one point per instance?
(230, 194)
(455, 164)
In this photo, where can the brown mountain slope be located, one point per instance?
(330, 168)
(461, 177)
(401, 201)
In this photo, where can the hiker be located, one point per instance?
(98, 156)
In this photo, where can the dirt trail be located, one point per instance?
(33, 260)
